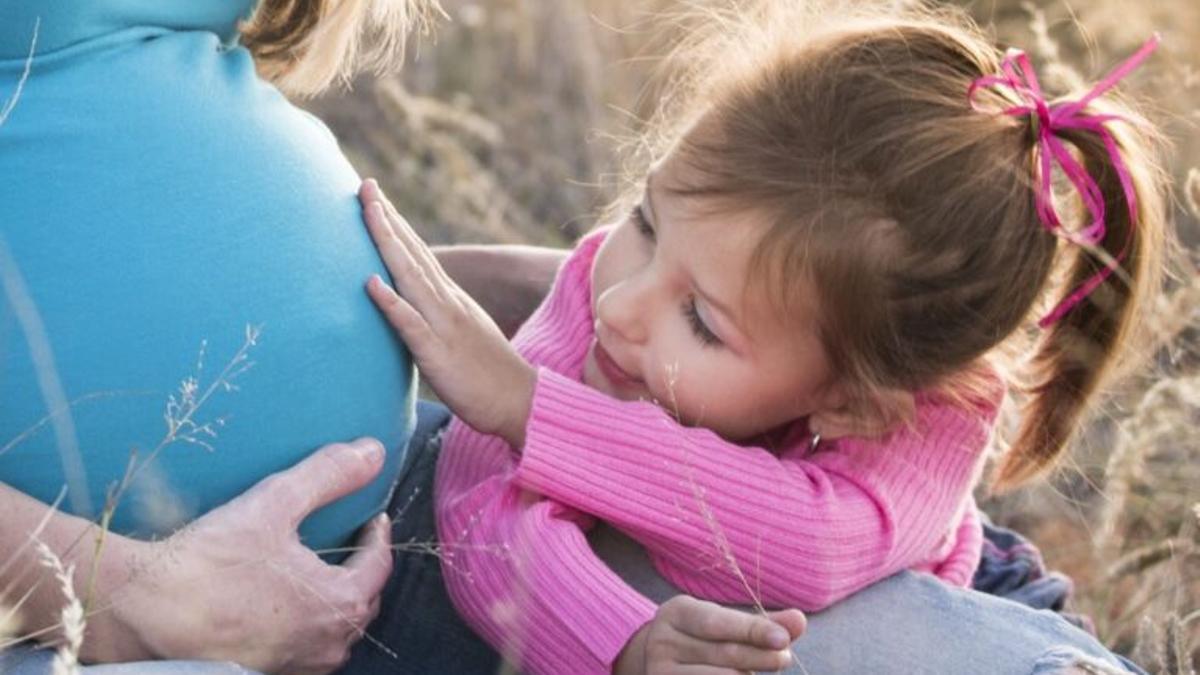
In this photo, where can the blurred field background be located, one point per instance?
(504, 126)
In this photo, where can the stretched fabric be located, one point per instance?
(166, 215)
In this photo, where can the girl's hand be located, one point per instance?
(694, 637)
(238, 585)
(460, 350)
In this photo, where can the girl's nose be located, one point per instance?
(624, 308)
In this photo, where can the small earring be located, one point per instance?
(816, 439)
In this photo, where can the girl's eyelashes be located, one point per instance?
(642, 223)
(699, 328)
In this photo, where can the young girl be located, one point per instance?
(774, 372)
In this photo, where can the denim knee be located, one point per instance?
(1070, 661)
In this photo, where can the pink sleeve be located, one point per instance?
(521, 573)
(727, 522)
(959, 568)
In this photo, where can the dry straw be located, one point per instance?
(66, 659)
(1191, 191)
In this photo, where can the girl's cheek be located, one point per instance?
(674, 383)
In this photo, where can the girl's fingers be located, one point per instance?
(368, 190)
(793, 620)
(403, 232)
(733, 655)
(404, 318)
(714, 623)
(695, 669)
(412, 277)
(395, 254)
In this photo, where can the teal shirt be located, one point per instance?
(156, 198)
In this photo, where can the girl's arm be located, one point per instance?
(740, 524)
(519, 570)
(507, 281)
(516, 564)
(722, 521)
(522, 574)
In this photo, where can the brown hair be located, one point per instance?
(913, 213)
(304, 45)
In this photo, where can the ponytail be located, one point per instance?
(302, 46)
(1087, 345)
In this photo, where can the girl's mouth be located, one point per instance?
(609, 367)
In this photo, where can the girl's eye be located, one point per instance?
(642, 224)
(702, 331)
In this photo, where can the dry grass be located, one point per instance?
(503, 131)
(66, 658)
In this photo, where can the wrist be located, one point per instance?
(116, 622)
(521, 400)
(632, 659)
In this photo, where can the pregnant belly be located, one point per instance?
(183, 264)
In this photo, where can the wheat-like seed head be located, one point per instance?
(66, 659)
(10, 622)
(1191, 191)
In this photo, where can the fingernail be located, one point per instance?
(371, 182)
(368, 448)
(777, 638)
(375, 208)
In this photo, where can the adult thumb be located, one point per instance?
(328, 474)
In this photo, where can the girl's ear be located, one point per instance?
(871, 416)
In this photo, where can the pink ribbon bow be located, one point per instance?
(1048, 120)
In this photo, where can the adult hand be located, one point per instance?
(460, 350)
(238, 585)
(694, 637)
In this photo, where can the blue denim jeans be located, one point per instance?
(29, 660)
(910, 624)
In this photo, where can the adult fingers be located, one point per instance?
(371, 564)
(331, 472)
(714, 623)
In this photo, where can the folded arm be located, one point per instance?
(522, 574)
(735, 523)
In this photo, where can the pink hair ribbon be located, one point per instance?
(1017, 75)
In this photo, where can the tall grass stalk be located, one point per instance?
(72, 623)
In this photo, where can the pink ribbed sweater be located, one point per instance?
(719, 520)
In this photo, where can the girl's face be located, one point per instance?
(674, 326)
